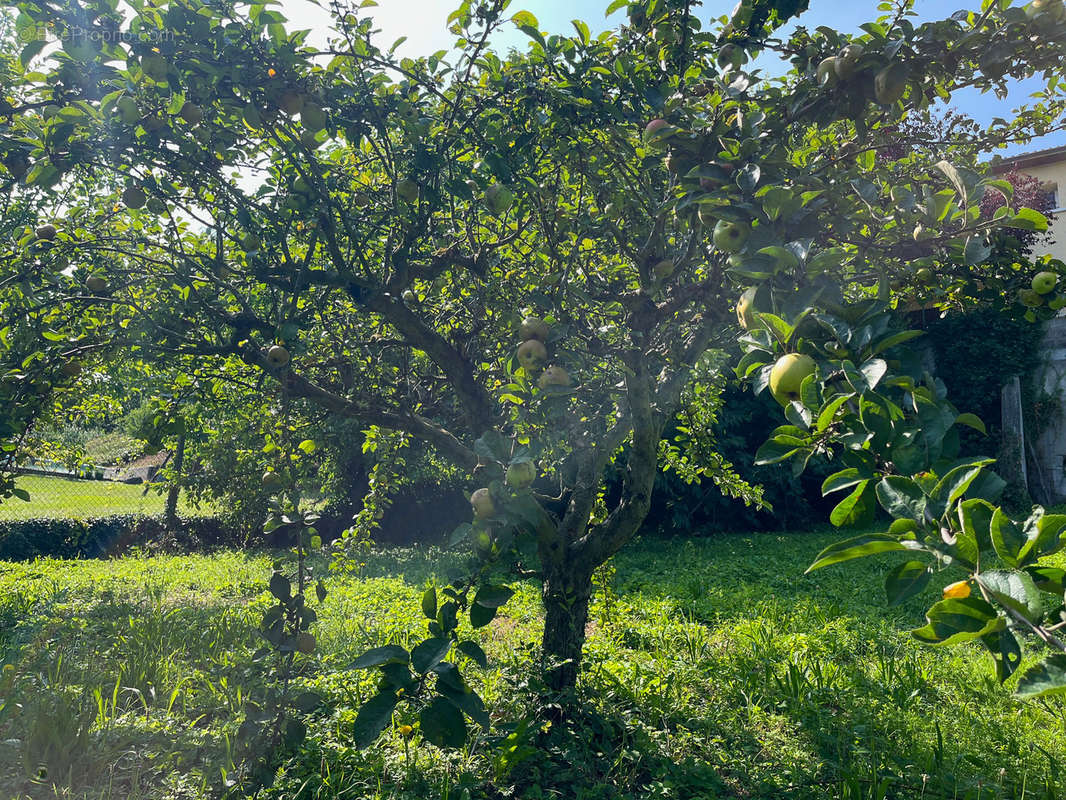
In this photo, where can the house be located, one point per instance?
(1042, 452)
(1049, 167)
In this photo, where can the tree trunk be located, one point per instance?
(566, 597)
(171, 510)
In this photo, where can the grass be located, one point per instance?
(714, 669)
(79, 499)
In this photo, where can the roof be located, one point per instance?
(1034, 159)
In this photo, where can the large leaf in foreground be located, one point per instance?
(1046, 678)
(858, 546)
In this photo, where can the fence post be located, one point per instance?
(1012, 453)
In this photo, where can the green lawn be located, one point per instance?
(64, 497)
(714, 669)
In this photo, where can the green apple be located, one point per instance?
(407, 189)
(1030, 299)
(1057, 304)
(71, 369)
(787, 375)
(846, 61)
(663, 269)
(96, 284)
(133, 197)
(155, 67)
(730, 57)
(482, 505)
(251, 243)
(924, 275)
(305, 643)
(654, 130)
(408, 296)
(1053, 8)
(533, 328)
(532, 354)
(498, 198)
(554, 377)
(890, 83)
(1044, 282)
(521, 474)
(271, 481)
(277, 356)
(46, 233)
(128, 111)
(292, 103)
(729, 237)
(191, 113)
(746, 309)
(313, 117)
(827, 71)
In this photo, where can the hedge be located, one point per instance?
(103, 537)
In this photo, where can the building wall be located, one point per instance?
(1053, 173)
(1047, 452)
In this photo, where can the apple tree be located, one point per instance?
(527, 260)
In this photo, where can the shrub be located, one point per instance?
(24, 540)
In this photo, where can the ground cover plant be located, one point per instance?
(714, 669)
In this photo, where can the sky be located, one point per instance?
(423, 23)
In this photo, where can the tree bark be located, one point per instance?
(566, 596)
(171, 510)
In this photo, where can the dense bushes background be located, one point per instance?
(23, 540)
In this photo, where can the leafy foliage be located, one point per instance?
(521, 261)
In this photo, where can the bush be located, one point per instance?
(24, 540)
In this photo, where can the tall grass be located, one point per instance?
(714, 669)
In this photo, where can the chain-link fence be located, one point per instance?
(56, 494)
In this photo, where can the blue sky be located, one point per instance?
(422, 22)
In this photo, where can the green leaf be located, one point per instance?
(828, 412)
(1048, 579)
(972, 421)
(955, 483)
(525, 19)
(958, 620)
(857, 547)
(473, 651)
(975, 516)
(893, 340)
(777, 449)
(902, 498)
(842, 480)
(429, 653)
(493, 596)
(429, 603)
(855, 509)
(1015, 590)
(372, 718)
(280, 586)
(1007, 538)
(582, 30)
(905, 581)
(1044, 679)
(443, 724)
(956, 180)
(389, 654)
(1029, 220)
(1005, 650)
(480, 615)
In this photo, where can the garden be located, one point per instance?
(609, 413)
